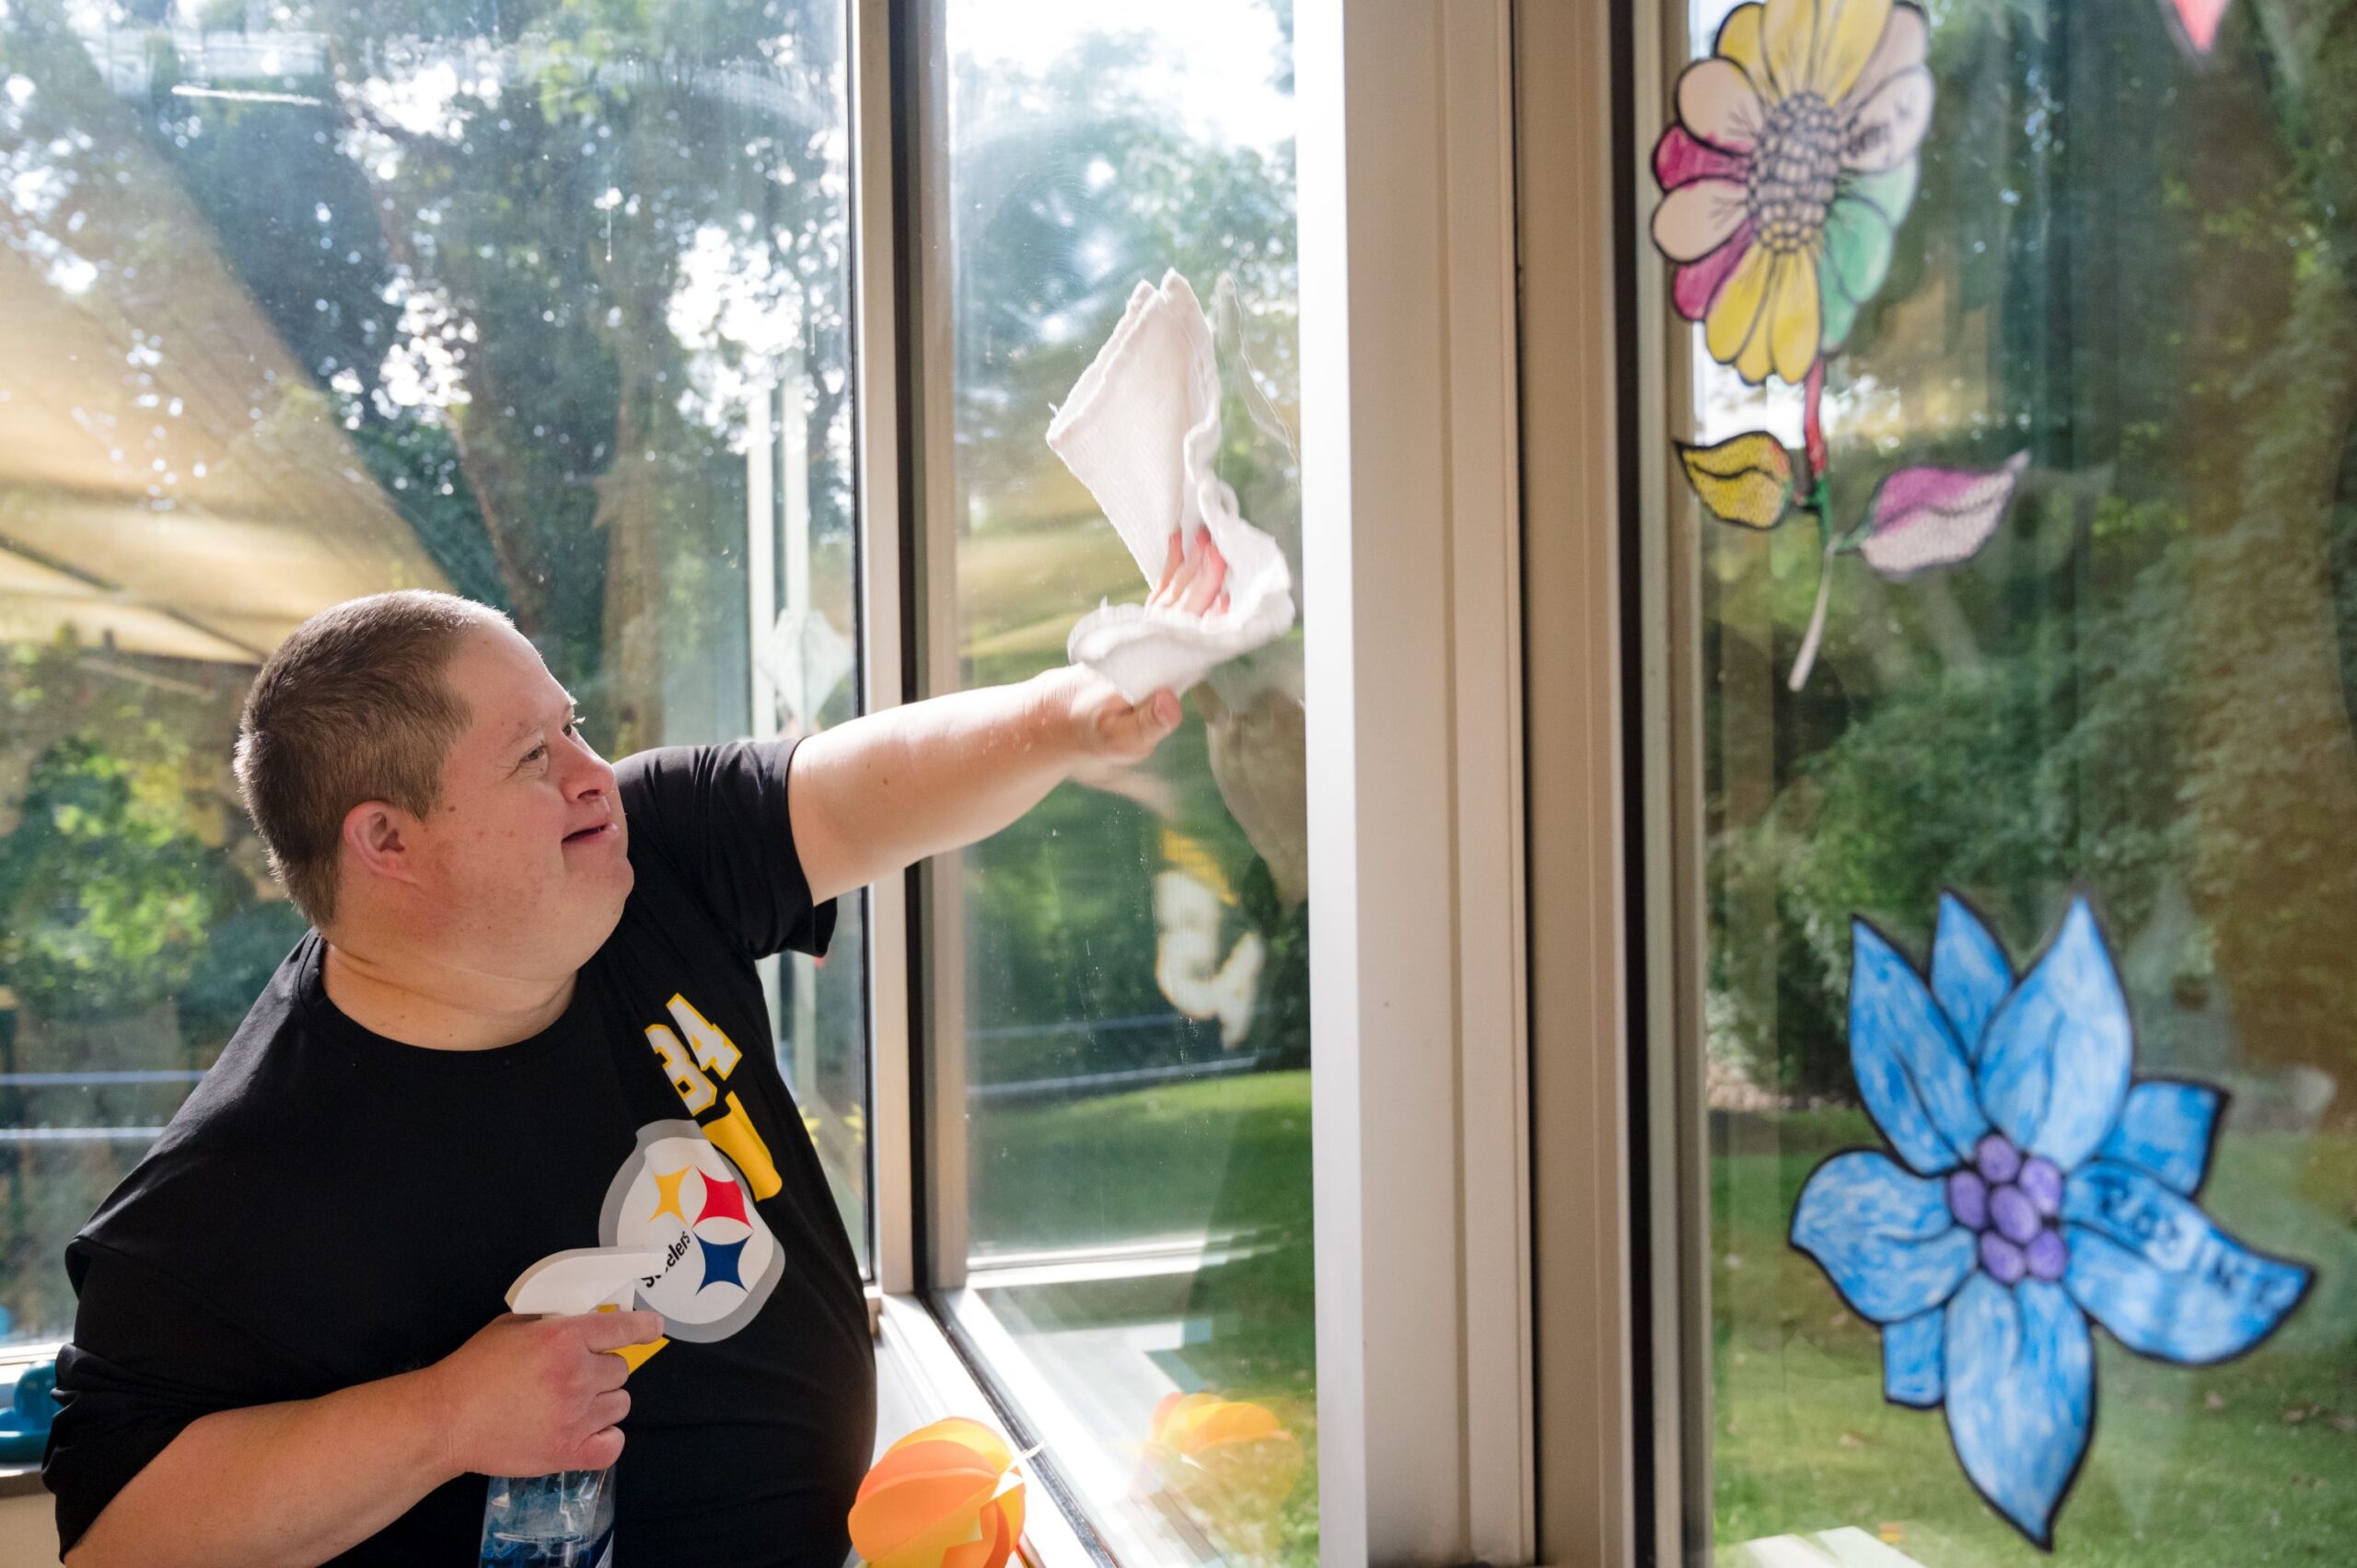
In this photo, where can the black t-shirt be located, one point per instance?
(330, 1207)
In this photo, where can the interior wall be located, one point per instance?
(28, 1532)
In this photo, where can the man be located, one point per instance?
(528, 1020)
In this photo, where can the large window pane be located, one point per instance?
(541, 303)
(2028, 780)
(1136, 984)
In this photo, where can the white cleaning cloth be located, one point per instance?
(1142, 429)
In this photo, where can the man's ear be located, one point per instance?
(381, 839)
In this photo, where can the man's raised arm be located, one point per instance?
(873, 797)
(878, 793)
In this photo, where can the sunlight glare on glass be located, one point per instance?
(1233, 42)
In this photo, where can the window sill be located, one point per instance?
(920, 1378)
(22, 1481)
(1070, 1396)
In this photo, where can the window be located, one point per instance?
(308, 301)
(553, 305)
(1121, 978)
(2021, 619)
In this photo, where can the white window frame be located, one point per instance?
(879, 398)
(1411, 523)
(1430, 1404)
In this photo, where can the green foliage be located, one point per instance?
(1082, 187)
(1061, 940)
(106, 893)
(2142, 271)
(2143, 687)
(540, 231)
(1072, 184)
(110, 873)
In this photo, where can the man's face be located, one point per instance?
(524, 862)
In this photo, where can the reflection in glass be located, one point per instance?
(541, 303)
(1136, 999)
(2122, 733)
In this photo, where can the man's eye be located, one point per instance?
(535, 753)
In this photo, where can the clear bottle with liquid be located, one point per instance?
(564, 1520)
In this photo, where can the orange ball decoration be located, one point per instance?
(945, 1496)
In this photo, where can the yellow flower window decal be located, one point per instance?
(1785, 178)
(1788, 173)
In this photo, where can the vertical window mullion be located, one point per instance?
(938, 929)
(1573, 244)
(880, 391)
(1676, 1180)
(1411, 510)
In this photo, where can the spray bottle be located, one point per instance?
(564, 1520)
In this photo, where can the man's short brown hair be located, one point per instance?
(351, 707)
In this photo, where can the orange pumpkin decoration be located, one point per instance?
(945, 1496)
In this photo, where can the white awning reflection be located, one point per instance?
(172, 483)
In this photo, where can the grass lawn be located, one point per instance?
(1217, 1153)
(2252, 1462)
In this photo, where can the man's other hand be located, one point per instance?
(531, 1396)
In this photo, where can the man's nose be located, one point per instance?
(587, 774)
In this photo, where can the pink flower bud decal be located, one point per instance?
(1928, 517)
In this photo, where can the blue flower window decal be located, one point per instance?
(2038, 1186)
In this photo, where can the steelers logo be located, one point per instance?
(680, 1198)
